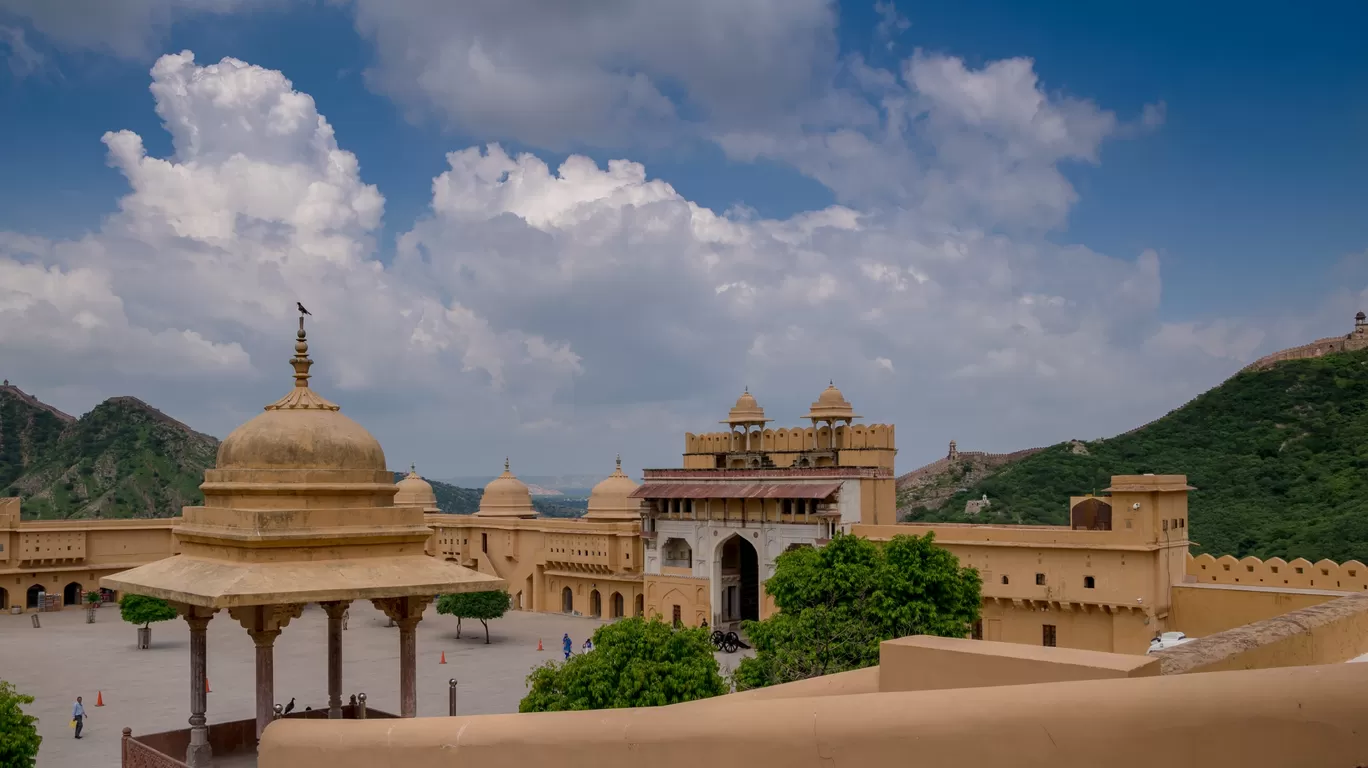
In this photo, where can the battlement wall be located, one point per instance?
(851, 437)
(1351, 576)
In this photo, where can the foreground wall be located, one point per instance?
(1200, 610)
(1329, 633)
(1282, 717)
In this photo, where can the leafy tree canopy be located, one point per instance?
(636, 662)
(1279, 458)
(140, 609)
(837, 603)
(19, 739)
(475, 605)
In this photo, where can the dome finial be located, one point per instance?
(413, 468)
(301, 361)
(619, 461)
(505, 463)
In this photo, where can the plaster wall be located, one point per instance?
(925, 663)
(1280, 717)
(690, 594)
(1324, 634)
(1200, 610)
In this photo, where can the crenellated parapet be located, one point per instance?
(852, 437)
(1275, 572)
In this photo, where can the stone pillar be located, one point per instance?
(335, 610)
(264, 639)
(198, 754)
(406, 612)
(264, 623)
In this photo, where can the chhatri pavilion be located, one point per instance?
(299, 508)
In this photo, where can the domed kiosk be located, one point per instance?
(506, 496)
(611, 498)
(414, 491)
(299, 508)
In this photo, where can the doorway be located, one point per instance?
(617, 604)
(738, 575)
(595, 604)
(33, 595)
(567, 601)
(71, 594)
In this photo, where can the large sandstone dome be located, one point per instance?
(506, 496)
(301, 445)
(301, 436)
(612, 498)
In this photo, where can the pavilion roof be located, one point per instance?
(227, 584)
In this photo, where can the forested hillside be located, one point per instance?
(1279, 458)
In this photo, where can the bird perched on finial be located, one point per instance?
(289, 707)
(302, 310)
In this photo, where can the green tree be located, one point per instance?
(143, 610)
(636, 662)
(19, 739)
(475, 605)
(837, 603)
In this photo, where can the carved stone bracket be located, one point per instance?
(401, 609)
(335, 608)
(266, 619)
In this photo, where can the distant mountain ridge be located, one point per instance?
(123, 459)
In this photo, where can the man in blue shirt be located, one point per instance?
(567, 645)
(78, 716)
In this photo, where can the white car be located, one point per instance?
(1167, 640)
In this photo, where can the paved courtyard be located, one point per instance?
(148, 691)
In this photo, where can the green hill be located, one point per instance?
(1279, 458)
(123, 459)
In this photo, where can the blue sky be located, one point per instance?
(1251, 192)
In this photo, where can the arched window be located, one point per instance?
(567, 601)
(1089, 582)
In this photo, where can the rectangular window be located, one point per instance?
(1040, 579)
(484, 543)
(678, 620)
(1004, 579)
(1047, 635)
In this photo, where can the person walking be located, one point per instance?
(567, 645)
(588, 645)
(78, 716)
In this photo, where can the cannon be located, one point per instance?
(728, 642)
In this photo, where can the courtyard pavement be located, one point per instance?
(149, 690)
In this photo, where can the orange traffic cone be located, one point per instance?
(99, 698)
(539, 645)
(206, 686)
(443, 661)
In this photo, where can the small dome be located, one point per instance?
(831, 404)
(414, 491)
(612, 498)
(746, 410)
(506, 496)
(301, 431)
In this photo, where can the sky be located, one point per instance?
(562, 231)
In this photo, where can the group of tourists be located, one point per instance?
(568, 645)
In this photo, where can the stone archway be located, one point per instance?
(71, 593)
(4, 599)
(640, 605)
(736, 570)
(595, 604)
(33, 593)
(617, 605)
(567, 601)
(1091, 515)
